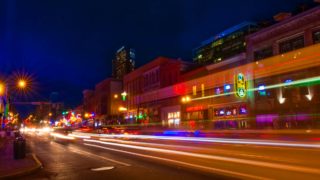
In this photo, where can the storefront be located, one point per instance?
(171, 116)
(231, 117)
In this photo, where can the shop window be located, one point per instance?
(228, 111)
(291, 44)
(263, 53)
(194, 90)
(227, 88)
(262, 90)
(219, 112)
(218, 90)
(243, 110)
(316, 36)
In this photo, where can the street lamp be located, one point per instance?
(2, 89)
(22, 84)
(185, 99)
(5, 100)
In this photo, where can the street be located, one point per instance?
(133, 158)
(76, 161)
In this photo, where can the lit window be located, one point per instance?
(194, 90)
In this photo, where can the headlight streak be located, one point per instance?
(61, 136)
(213, 157)
(235, 174)
(79, 136)
(214, 140)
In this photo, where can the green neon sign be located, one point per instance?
(240, 85)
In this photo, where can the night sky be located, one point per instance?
(68, 45)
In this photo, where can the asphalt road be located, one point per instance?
(63, 160)
(131, 158)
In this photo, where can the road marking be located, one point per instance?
(94, 155)
(102, 168)
(220, 158)
(236, 174)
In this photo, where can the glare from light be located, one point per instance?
(2, 89)
(61, 136)
(22, 83)
(261, 87)
(310, 95)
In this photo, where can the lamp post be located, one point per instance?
(5, 98)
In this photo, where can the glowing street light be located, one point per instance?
(124, 95)
(2, 89)
(185, 99)
(122, 109)
(22, 83)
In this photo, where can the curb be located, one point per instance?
(27, 171)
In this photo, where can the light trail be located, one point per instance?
(213, 157)
(223, 171)
(61, 136)
(296, 82)
(88, 154)
(213, 140)
(79, 136)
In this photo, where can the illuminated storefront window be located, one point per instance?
(174, 119)
(243, 110)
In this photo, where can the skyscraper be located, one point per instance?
(123, 63)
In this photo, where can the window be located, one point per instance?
(316, 36)
(291, 44)
(263, 53)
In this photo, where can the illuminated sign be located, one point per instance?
(262, 90)
(240, 85)
(195, 108)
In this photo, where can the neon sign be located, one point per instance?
(195, 108)
(240, 85)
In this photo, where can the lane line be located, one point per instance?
(236, 174)
(101, 157)
(220, 158)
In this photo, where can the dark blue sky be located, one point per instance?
(68, 44)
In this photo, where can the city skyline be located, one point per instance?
(95, 51)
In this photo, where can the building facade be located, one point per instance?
(104, 101)
(224, 45)
(123, 63)
(274, 83)
(157, 74)
(292, 105)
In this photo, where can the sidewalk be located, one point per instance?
(11, 168)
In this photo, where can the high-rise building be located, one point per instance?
(224, 45)
(123, 63)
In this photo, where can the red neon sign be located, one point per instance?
(194, 108)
